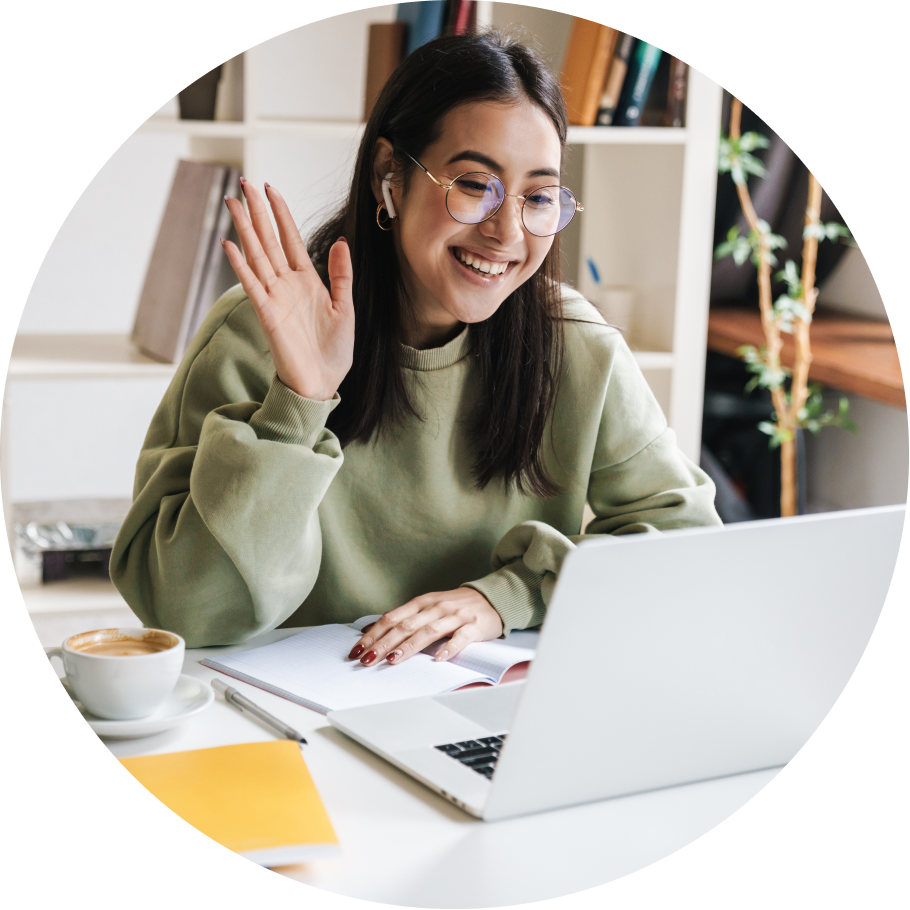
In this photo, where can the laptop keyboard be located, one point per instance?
(477, 754)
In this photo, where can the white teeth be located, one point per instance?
(482, 265)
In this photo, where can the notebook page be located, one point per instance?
(493, 658)
(311, 668)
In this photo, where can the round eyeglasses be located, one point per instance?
(475, 197)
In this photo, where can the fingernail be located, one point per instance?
(441, 655)
(242, 180)
(267, 188)
(222, 241)
(342, 240)
(227, 199)
(356, 651)
(394, 655)
(368, 658)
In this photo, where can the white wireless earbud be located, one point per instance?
(386, 195)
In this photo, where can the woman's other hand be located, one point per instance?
(310, 330)
(463, 615)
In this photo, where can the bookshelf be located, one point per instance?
(294, 120)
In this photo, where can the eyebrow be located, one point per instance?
(488, 162)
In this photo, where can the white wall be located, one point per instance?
(92, 276)
(870, 468)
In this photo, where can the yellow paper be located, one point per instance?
(247, 797)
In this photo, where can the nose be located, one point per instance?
(505, 226)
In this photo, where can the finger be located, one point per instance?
(341, 275)
(291, 242)
(466, 633)
(249, 282)
(252, 248)
(392, 635)
(436, 630)
(259, 215)
(383, 625)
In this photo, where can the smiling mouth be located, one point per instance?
(477, 264)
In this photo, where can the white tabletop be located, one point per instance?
(402, 844)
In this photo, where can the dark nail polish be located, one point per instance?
(391, 658)
(356, 651)
(342, 240)
(267, 187)
(368, 658)
(242, 180)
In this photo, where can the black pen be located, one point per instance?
(233, 697)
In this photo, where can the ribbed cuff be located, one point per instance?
(514, 592)
(285, 416)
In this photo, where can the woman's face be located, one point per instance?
(519, 144)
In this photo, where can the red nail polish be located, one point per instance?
(368, 658)
(391, 658)
(242, 180)
(356, 651)
(342, 240)
(267, 188)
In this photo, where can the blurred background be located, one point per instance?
(135, 265)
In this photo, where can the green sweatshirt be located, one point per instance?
(248, 515)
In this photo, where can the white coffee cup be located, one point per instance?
(121, 674)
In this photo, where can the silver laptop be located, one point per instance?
(663, 660)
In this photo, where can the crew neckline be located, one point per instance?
(436, 358)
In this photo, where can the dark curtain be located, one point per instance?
(780, 199)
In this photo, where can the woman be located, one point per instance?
(411, 427)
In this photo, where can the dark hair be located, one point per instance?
(519, 350)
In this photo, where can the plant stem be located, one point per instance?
(771, 328)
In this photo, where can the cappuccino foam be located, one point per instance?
(122, 642)
(127, 648)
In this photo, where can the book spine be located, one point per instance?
(587, 60)
(425, 21)
(385, 51)
(615, 78)
(638, 84)
(209, 290)
(203, 257)
(676, 96)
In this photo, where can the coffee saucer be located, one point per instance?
(189, 697)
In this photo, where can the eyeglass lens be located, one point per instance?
(475, 197)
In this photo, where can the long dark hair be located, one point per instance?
(519, 350)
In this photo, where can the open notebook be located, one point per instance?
(311, 669)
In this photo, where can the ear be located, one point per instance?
(383, 155)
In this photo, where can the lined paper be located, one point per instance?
(311, 669)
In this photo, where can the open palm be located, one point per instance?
(310, 330)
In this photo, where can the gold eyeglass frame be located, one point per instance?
(524, 199)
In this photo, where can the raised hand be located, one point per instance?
(310, 331)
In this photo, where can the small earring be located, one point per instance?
(385, 224)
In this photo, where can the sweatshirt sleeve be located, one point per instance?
(639, 483)
(223, 540)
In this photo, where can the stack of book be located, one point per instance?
(188, 270)
(610, 78)
(415, 24)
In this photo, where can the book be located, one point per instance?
(584, 70)
(386, 43)
(616, 75)
(186, 272)
(654, 112)
(424, 20)
(256, 799)
(311, 668)
(676, 95)
(460, 17)
(644, 61)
